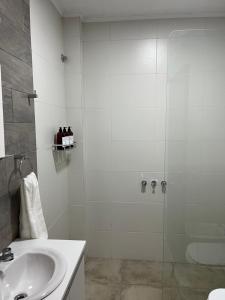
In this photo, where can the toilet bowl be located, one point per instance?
(218, 294)
(206, 253)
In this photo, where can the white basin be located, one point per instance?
(32, 275)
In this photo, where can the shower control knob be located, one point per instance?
(163, 185)
(143, 186)
(153, 185)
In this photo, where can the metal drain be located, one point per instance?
(21, 296)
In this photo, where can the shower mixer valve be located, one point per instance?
(143, 186)
(163, 185)
(153, 185)
(144, 183)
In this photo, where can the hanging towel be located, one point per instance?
(32, 222)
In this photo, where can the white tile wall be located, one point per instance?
(125, 188)
(61, 228)
(138, 156)
(99, 216)
(45, 19)
(133, 30)
(50, 113)
(98, 186)
(132, 57)
(164, 28)
(53, 185)
(96, 31)
(73, 87)
(99, 243)
(97, 91)
(137, 91)
(49, 76)
(76, 184)
(124, 98)
(75, 118)
(139, 125)
(136, 245)
(121, 187)
(125, 66)
(47, 121)
(161, 56)
(115, 101)
(137, 217)
(77, 222)
(96, 57)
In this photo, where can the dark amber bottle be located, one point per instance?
(65, 138)
(59, 138)
(70, 134)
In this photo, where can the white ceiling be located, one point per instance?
(92, 10)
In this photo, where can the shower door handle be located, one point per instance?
(163, 185)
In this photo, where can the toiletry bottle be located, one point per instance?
(67, 139)
(70, 134)
(59, 138)
(64, 138)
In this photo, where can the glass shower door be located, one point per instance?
(194, 224)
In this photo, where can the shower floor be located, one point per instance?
(112, 279)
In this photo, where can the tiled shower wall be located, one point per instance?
(124, 99)
(73, 86)
(50, 113)
(19, 120)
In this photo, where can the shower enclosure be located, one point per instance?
(194, 214)
(125, 79)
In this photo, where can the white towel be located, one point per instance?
(32, 222)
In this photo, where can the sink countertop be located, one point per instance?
(71, 250)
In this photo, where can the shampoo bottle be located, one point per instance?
(65, 140)
(70, 134)
(59, 138)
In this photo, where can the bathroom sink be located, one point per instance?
(32, 275)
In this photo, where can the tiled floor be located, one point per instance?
(108, 279)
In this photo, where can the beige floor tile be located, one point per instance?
(170, 294)
(141, 272)
(184, 294)
(169, 279)
(198, 276)
(138, 292)
(102, 291)
(193, 294)
(143, 280)
(103, 270)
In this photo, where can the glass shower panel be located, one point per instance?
(194, 233)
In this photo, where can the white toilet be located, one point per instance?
(218, 294)
(201, 253)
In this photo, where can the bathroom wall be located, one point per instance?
(75, 115)
(124, 96)
(19, 120)
(50, 110)
(112, 91)
(124, 90)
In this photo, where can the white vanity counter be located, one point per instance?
(73, 252)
